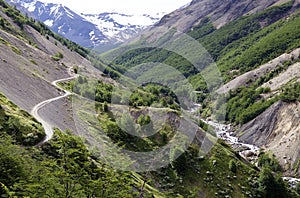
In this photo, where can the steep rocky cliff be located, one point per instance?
(277, 130)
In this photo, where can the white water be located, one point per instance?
(292, 181)
(248, 151)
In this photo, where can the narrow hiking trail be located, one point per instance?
(35, 110)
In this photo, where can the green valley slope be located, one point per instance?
(32, 57)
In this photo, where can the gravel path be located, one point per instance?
(35, 110)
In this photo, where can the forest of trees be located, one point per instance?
(146, 95)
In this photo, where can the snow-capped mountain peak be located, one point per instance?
(87, 30)
(121, 26)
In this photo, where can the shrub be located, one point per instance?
(58, 56)
(105, 107)
(232, 166)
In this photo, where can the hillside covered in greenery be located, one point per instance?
(237, 47)
(66, 166)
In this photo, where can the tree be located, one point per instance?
(298, 188)
(232, 166)
(4, 192)
(11, 164)
(264, 160)
(2, 22)
(266, 182)
(143, 120)
(271, 186)
(105, 107)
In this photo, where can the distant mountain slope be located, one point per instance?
(121, 26)
(63, 21)
(88, 30)
(236, 47)
(219, 12)
(239, 45)
(27, 61)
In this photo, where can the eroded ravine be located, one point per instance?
(247, 151)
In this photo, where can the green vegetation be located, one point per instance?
(203, 125)
(92, 89)
(21, 21)
(105, 107)
(64, 167)
(238, 46)
(244, 104)
(260, 48)
(33, 61)
(208, 176)
(58, 56)
(232, 166)
(61, 168)
(19, 124)
(264, 160)
(146, 95)
(229, 36)
(143, 120)
(272, 186)
(204, 28)
(298, 188)
(120, 128)
(76, 69)
(156, 95)
(291, 92)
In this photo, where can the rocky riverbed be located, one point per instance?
(247, 151)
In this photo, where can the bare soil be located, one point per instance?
(293, 72)
(251, 76)
(277, 130)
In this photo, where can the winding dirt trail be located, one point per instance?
(35, 110)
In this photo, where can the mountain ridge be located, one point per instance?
(219, 12)
(88, 30)
(268, 38)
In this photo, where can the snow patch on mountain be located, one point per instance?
(31, 7)
(87, 30)
(49, 23)
(121, 26)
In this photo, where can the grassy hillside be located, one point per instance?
(64, 167)
(19, 124)
(20, 21)
(237, 47)
(61, 168)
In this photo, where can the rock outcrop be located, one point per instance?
(277, 130)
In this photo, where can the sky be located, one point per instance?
(123, 6)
